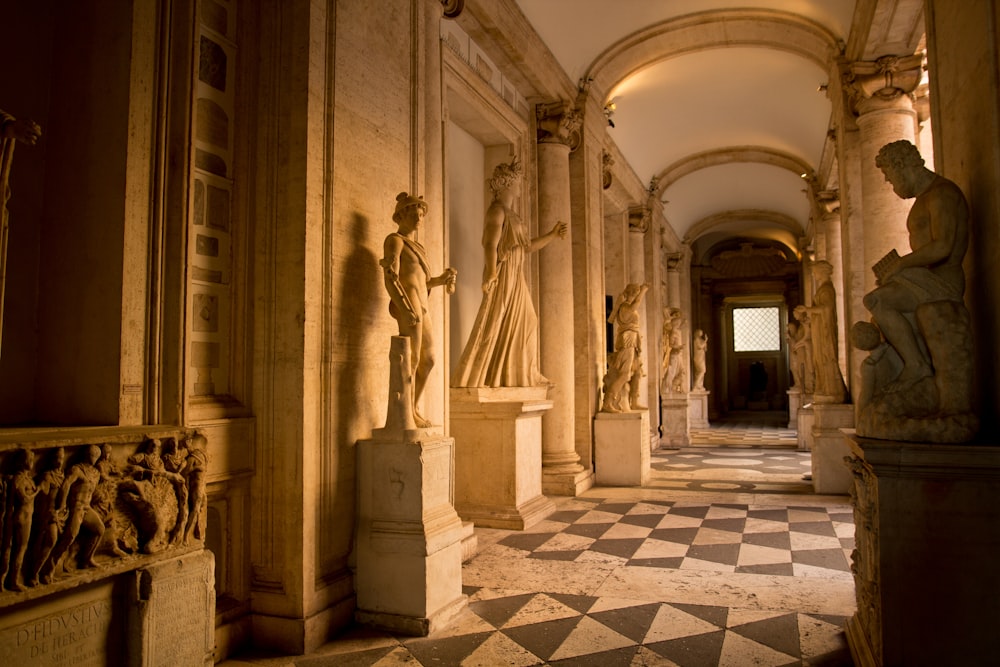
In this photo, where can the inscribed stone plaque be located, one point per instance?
(77, 629)
(176, 612)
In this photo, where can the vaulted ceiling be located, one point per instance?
(720, 106)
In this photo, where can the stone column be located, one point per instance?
(674, 280)
(638, 225)
(883, 100)
(558, 125)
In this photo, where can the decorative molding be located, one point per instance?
(749, 262)
(638, 219)
(559, 122)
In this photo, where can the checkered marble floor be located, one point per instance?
(629, 577)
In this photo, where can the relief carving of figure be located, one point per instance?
(195, 471)
(672, 366)
(502, 350)
(408, 280)
(625, 363)
(74, 501)
(700, 344)
(150, 496)
(48, 522)
(105, 501)
(830, 387)
(919, 309)
(20, 509)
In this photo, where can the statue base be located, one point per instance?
(498, 455)
(796, 399)
(674, 423)
(621, 448)
(410, 540)
(927, 526)
(829, 448)
(698, 408)
(805, 417)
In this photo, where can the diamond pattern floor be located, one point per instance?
(675, 573)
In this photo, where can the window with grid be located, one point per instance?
(756, 329)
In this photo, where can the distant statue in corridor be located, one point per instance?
(919, 311)
(830, 387)
(700, 344)
(502, 350)
(672, 366)
(625, 363)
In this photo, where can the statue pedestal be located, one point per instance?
(829, 447)
(796, 399)
(498, 455)
(927, 526)
(674, 421)
(621, 448)
(698, 408)
(409, 576)
(804, 420)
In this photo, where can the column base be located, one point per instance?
(674, 420)
(829, 448)
(621, 448)
(498, 456)
(409, 574)
(571, 483)
(796, 400)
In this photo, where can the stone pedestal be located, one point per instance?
(674, 421)
(804, 419)
(409, 577)
(159, 614)
(698, 408)
(498, 455)
(796, 399)
(829, 447)
(621, 448)
(927, 528)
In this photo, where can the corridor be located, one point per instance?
(725, 558)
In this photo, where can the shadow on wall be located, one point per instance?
(347, 356)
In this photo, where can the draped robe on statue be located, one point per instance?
(502, 348)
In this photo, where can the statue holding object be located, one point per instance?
(917, 379)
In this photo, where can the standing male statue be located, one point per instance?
(408, 281)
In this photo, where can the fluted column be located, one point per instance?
(558, 124)
(883, 100)
(638, 225)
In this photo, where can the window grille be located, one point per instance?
(756, 329)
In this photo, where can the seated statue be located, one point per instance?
(918, 309)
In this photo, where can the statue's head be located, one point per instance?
(898, 154)
(505, 174)
(404, 201)
(822, 269)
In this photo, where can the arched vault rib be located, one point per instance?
(727, 155)
(765, 28)
(764, 218)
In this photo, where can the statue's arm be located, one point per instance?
(558, 230)
(392, 248)
(492, 227)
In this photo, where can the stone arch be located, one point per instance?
(764, 28)
(727, 155)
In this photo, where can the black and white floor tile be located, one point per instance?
(676, 573)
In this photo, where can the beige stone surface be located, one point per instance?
(621, 448)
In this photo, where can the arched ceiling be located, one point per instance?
(718, 104)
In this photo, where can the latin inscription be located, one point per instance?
(75, 637)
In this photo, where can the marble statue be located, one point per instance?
(12, 131)
(502, 350)
(803, 349)
(625, 363)
(918, 308)
(408, 280)
(672, 367)
(195, 472)
(700, 345)
(830, 387)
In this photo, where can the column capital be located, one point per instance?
(607, 161)
(638, 219)
(558, 122)
(885, 82)
(674, 260)
(452, 8)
